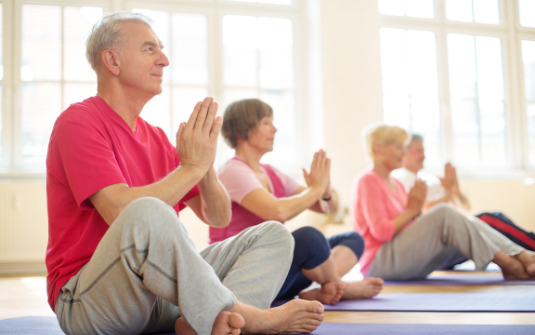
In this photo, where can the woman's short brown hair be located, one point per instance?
(242, 116)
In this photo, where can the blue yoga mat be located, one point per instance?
(438, 302)
(421, 329)
(32, 325)
(466, 279)
(441, 302)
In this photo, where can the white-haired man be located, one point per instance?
(118, 258)
(443, 190)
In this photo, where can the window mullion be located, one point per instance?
(444, 95)
(516, 111)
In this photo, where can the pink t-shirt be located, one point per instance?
(239, 180)
(92, 147)
(373, 206)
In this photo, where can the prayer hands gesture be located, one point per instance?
(450, 177)
(196, 140)
(417, 196)
(320, 173)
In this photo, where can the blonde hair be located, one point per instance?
(380, 134)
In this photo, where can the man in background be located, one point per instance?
(447, 190)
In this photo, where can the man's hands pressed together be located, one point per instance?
(196, 140)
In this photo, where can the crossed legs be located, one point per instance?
(146, 273)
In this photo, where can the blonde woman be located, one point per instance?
(402, 244)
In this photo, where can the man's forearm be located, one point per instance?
(216, 209)
(111, 200)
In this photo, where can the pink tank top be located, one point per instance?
(241, 217)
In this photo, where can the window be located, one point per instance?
(1, 73)
(461, 58)
(209, 54)
(258, 63)
(185, 40)
(411, 8)
(477, 99)
(480, 11)
(528, 59)
(527, 13)
(54, 71)
(410, 84)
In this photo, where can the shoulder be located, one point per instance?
(366, 178)
(85, 111)
(234, 169)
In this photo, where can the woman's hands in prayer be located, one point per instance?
(417, 197)
(320, 174)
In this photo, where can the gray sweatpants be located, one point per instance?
(442, 234)
(146, 273)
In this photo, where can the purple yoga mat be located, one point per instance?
(421, 329)
(441, 302)
(459, 279)
(32, 325)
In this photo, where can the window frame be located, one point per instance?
(16, 160)
(7, 84)
(510, 33)
(12, 165)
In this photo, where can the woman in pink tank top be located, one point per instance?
(260, 193)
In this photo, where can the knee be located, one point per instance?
(442, 210)
(308, 235)
(355, 242)
(310, 243)
(278, 233)
(148, 213)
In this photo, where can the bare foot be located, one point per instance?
(511, 267)
(330, 293)
(364, 289)
(295, 316)
(226, 323)
(527, 258)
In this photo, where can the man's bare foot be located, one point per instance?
(364, 289)
(511, 267)
(527, 258)
(329, 293)
(295, 316)
(226, 323)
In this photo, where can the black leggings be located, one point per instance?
(311, 250)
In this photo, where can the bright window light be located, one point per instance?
(258, 63)
(527, 13)
(477, 93)
(528, 60)
(479, 11)
(54, 71)
(410, 85)
(410, 8)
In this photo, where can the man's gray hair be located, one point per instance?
(106, 34)
(415, 137)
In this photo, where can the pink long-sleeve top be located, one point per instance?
(374, 204)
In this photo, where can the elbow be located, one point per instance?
(278, 214)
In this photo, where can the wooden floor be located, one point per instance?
(26, 296)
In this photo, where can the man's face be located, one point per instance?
(414, 159)
(141, 60)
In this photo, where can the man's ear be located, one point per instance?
(110, 59)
